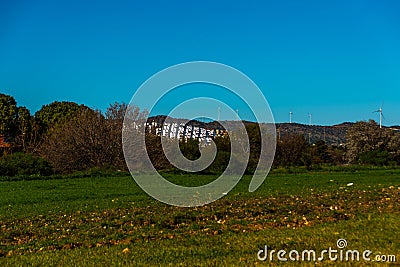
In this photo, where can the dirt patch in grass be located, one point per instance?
(117, 226)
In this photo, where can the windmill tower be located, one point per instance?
(380, 115)
(310, 119)
(290, 116)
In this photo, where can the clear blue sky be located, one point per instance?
(335, 59)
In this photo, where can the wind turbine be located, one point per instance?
(310, 117)
(380, 115)
(290, 116)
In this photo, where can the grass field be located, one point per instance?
(110, 221)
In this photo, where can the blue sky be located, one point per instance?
(338, 60)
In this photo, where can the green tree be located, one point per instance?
(253, 131)
(24, 132)
(8, 115)
(190, 149)
(17, 124)
(56, 113)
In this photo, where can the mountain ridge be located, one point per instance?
(331, 135)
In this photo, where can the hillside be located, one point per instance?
(332, 135)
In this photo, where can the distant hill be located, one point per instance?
(332, 135)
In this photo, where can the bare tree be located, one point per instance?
(79, 144)
(88, 140)
(115, 116)
(290, 151)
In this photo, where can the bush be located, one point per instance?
(220, 163)
(24, 164)
(374, 157)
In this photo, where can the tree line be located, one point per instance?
(64, 137)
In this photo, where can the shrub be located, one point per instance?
(374, 157)
(24, 164)
(220, 162)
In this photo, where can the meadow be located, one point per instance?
(100, 220)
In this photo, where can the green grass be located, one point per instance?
(111, 221)
(228, 249)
